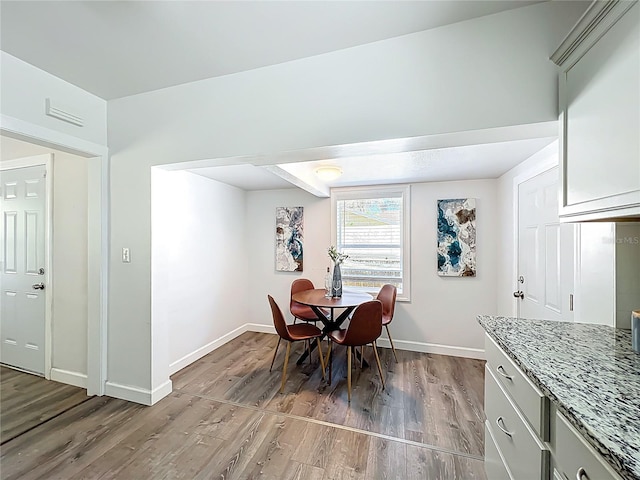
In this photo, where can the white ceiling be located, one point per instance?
(119, 48)
(435, 165)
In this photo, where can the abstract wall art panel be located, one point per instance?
(457, 237)
(289, 238)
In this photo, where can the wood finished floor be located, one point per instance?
(28, 400)
(227, 420)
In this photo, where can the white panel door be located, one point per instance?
(545, 251)
(22, 313)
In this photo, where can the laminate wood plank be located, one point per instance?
(439, 403)
(175, 442)
(239, 455)
(316, 446)
(190, 463)
(66, 444)
(223, 420)
(28, 400)
(33, 454)
(349, 456)
(153, 444)
(300, 471)
(273, 461)
(425, 463)
(387, 459)
(235, 356)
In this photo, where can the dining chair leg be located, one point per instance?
(320, 355)
(375, 351)
(330, 360)
(362, 350)
(284, 369)
(391, 342)
(349, 372)
(308, 342)
(275, 353)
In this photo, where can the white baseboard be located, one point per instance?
(477, 353)
(76, 379)
(161, 391)
(260, 328)
(217, 343)
(422, 347)
(138, 395)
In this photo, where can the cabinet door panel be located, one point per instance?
(533, 404)
(493, 463)
(525, 455)
(574, 456)
(603, 119)
(600, 114)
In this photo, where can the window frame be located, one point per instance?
(381, 191)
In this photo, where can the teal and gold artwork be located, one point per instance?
(457, 237)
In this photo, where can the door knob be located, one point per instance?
(38, 286)
(518, 294)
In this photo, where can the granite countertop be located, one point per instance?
(590, 372)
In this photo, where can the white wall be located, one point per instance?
(25, 88)
(443, 309)
(441, 317)
(627, 272)
(609, 269)
(200, 262)
(596, 259)
(488, 72)
(260, 224)
(69, 323)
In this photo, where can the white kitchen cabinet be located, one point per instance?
(600, 114)
(517, 420)
(574, 458)
(525, 455)
(525, 435)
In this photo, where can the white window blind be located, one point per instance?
(370, 228)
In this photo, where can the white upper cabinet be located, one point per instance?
(599, 95)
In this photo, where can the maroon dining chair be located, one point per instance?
(364, 328)
(299, 311)
(293, 333)
(387, 295)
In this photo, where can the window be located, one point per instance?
(371, 225)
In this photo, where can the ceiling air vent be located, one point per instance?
(57, 112)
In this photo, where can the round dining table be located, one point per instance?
(317, 300)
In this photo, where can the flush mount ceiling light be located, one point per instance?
(328, 172)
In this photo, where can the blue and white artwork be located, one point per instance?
(457, 237)
(289, 238)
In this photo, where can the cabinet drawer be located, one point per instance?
(530, 400)
(525, 455)
(572, 453)
(493, 463)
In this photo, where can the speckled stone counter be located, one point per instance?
(590, 372)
